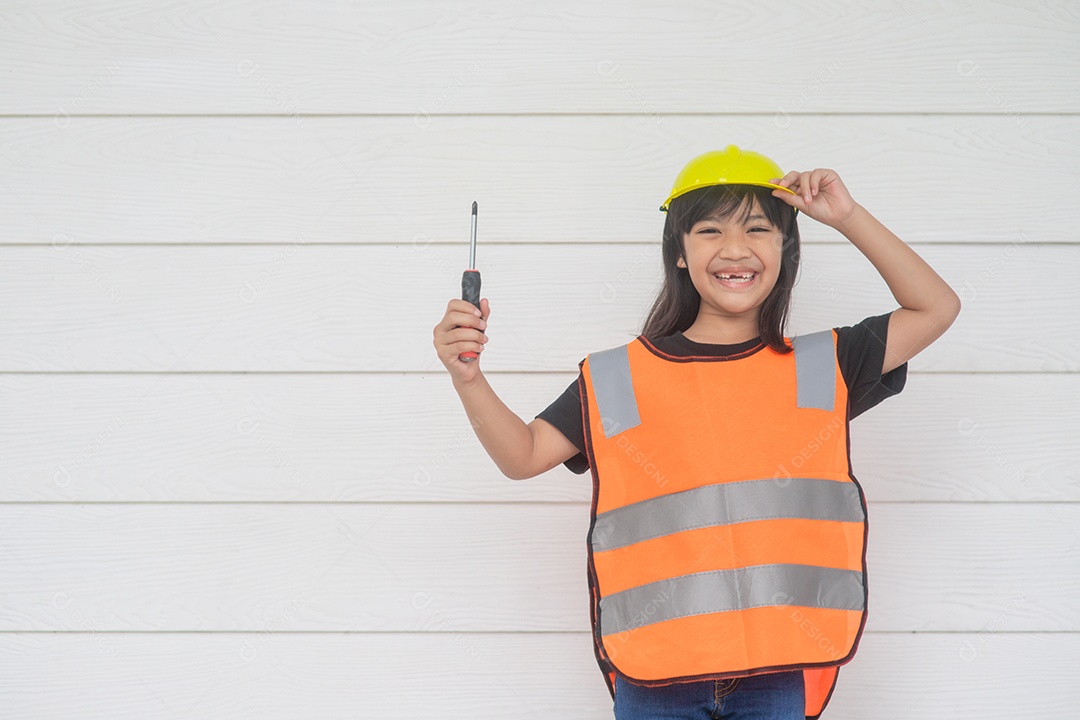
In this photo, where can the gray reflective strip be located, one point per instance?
(727, 590)
(614, 390)
(815, 369)
(726, 503)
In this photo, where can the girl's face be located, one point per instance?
(733, 247)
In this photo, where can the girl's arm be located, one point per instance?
(520, 451)
(928, 306)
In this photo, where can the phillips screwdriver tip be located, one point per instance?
(473, 207)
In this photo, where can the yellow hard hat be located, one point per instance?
(730, 166)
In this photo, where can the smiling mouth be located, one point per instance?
(739, 280)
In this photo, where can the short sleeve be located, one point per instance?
(860, 350)
(565, 415)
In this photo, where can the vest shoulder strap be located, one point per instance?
(815, 369)
(613, 389)
(613, 386)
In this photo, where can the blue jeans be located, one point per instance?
(773, 696)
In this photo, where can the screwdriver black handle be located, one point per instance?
(470, 290)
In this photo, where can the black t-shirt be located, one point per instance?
(860, 350)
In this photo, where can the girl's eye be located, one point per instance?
(709, 230)
(752, 229)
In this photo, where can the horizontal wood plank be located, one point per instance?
(427, 57)
(373, 308)
(404, 437)
(548, 179)
(490, 567)
(235, 480)
(474, 676)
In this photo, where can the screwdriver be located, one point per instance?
(470, 283)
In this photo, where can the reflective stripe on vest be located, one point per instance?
(737, 589)
(726, 503)
(727, 532)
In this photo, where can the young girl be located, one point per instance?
(727, 553)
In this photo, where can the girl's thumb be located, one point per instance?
(794, 201)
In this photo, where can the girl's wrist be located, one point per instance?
(467, 385)
(848, 221)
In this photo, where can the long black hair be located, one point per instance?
(676, 307)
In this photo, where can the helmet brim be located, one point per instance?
(667, 203)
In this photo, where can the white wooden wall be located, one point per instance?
(236, 480)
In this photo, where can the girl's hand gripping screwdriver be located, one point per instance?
(470, 283)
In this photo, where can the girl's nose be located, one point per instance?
(735, 247)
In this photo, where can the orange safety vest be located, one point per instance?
(728, 533)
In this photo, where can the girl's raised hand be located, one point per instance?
(821, 195)
(461, 330)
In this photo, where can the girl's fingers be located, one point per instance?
(456, 342)
(463, 346)
(827, 176)
(460, 334)
(806, 184)
(793, 178)
(457, 318)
